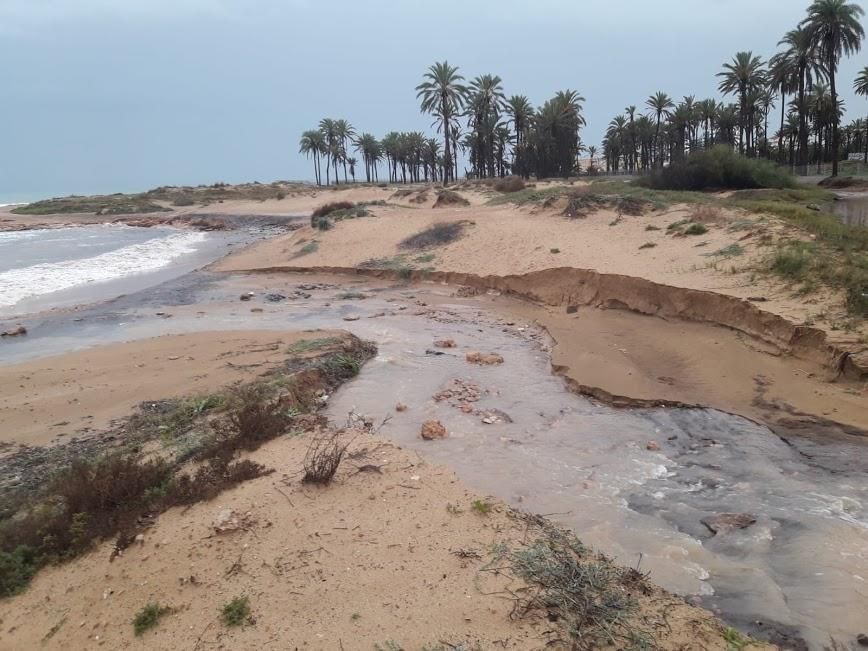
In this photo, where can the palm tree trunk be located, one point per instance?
(834, 115)
(866, 140)
(328, 163)
(781, 132)
(803, 125)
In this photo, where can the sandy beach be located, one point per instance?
(660, 328)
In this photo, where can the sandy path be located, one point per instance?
(45, 398)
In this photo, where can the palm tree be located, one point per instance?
(592, 151)
(860, 86)
(343, 131)
(659, 103)
(834, 29)
(331, 150)
(520, 111)
(801, 57)
(352, 163)
(312, 145)
(443, 95)
(742, 75)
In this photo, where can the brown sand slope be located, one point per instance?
(87, 389)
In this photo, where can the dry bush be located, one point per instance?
(582, 201)
(436, 235)
(707, 214)
(450, 198)
(327, 209)
(254, 415)
(324, 456)
(510, 184)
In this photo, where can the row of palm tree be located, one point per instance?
(805, 70)
(499, 135)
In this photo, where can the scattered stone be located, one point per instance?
(813, 206)
(862, 639)
(228, 520)
(486, 359)
(572, 309)
(275, 298)
(256, 309)
(15, 332)
(434, 353)
(351, 317)
(433, 429)
(246, 297)
(757, 299)
(400, 407)
(652, 446)
(458, 393)
(494, 416)
(444, 343)
(725, 522)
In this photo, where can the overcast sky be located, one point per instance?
(121, 95)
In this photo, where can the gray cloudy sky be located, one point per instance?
(120, 95)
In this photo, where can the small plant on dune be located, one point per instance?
(16, 569)
(322, 224)
(310, 247)
(734, 640)
(183, 200)
(792, 260)
(436, 235)
(450, 198)
(236, 612)
(510, 184)
(327, 209)
(730, 251)
(481, 507)
(324, 456)
(651, 227)
(148, 617)
(696, 229)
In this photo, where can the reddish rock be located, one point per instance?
(484, 358)
(400, 407)
(445, 343)
(433, 429)
(653, 446)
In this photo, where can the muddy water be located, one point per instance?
(852, 208)
(799, 574)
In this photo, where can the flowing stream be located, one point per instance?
(798, 575)
(852, 208)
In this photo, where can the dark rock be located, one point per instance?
(572, 309)
(725, 522)
(15, 332)
(247, 296)
(862, 639)
(275, 298)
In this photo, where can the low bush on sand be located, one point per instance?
(148, 617)
(718, 169)
(236, 612)
(329, 208)
(435, 235)
(510, 184)
(450, 198)
(183, 200)
(324, 456)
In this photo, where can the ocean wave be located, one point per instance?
(18, 284)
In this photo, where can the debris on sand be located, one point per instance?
(433, 429)
(495, 416)
(486, 359)
(275, 298)
(400, 407)
(444, 343)
(458, 392)
(351, 317)
(228, 521)
(246, 296)
(725, 522)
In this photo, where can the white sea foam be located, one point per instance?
(18, 284)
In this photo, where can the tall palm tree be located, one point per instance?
(660, 103)
(343, 131)
(443, 95)
(328, 129)
(520, 112)
(860, 86)
(835, 31)
(801, 58)
(352, 163)
(312, 145)
(740, 76)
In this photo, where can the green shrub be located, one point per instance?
(792, 260)
(236, 612)
(857, 297)
(148, 617)
(510, 184)
(696, 229)
(435, 235)
(322, 224)
(719, 168)
(183, 200)
(16, 569)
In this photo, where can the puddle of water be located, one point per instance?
(852, 208)
(801, 569)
